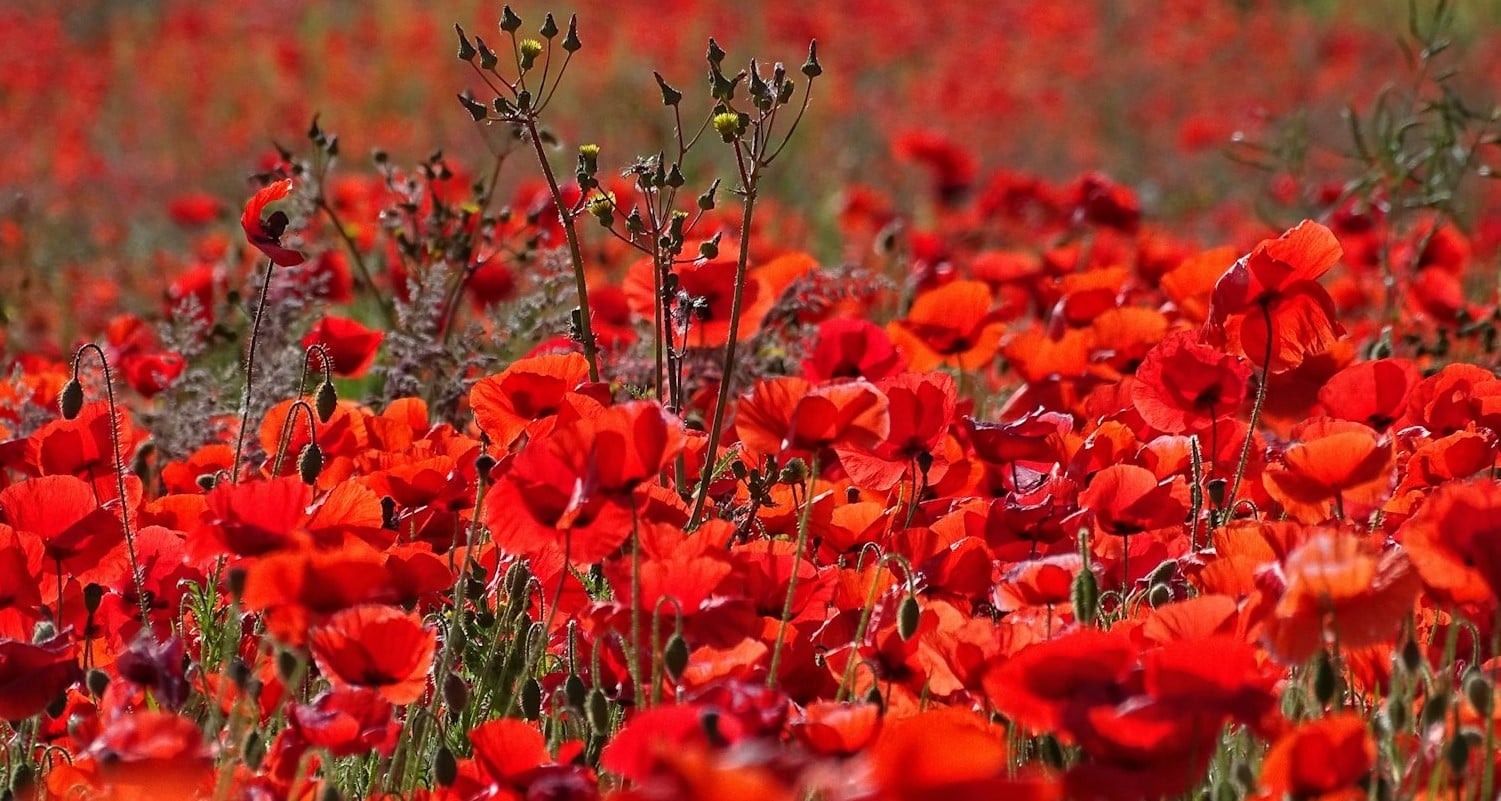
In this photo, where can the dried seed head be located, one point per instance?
(466, 49)
(811, 67)
(509, 22)
(571, 41)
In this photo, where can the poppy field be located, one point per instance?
(826, 402)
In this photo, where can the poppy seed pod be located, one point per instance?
(70, 401)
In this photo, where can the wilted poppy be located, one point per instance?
(265, 233)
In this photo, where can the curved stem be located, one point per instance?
(802, 545)
(255, 333)
(114, 437)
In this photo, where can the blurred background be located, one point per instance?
(112, 111)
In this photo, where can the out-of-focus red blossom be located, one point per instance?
(194, 209)
(33, 675)
(351, 346)
(846, 348)
(265, 233)
(1455, 542)
(1330, 759)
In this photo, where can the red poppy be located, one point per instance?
(837, 729)
(526, 395)
(1270, 304)
(1182, 385)
(1334, 461)
(377, 647)
(952, 754)
(1127, 500)
(1330, 759)
(348, 721)
(265, 233)
(33, 675)
(790, 414)
(1455, 541)
(351, 346)
(1339, 590)
(848, 348)
(64, 513)
(951, 325)
(1373, 392)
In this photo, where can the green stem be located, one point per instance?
(802, 545)
(565, 217)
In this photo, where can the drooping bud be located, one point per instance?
(97, 681)
(1159, 595)
(455, 692)
(574, 691)
(310, 463)
(1479, 692)
(908, 615)
(675, 657)
(326, 401)
(70, 401)
(531, 699)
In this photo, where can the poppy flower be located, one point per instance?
(837, 728)
(64, 513)
(1339, 589)
(1335, 461)
(951, 325)
(1270, 303)
(1372, 392)
(1455, 542)
(1330, 759)
(921, 407)
(351, 346)
(149, 755)
(526, 395)
(790, 414)
(1184, 386)
(849, 348)
(1127, 500)
(951, 754)
(377, 647)
(33, 675)
(348, 721)
(265, 233)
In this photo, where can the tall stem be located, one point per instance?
(727, 377)
(114, 438)
(255, 335)
(565, 216)
(802, 545)
(1245, 449)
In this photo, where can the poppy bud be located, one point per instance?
(326, 402)
(310, 463)
(466, 50)
(330, 792)
(1163, 573)
(574, 691)
(70, 402)
(206, 481)
(483, 464)
(794, 472)
(531, 699)
(509, 22)
(571, 41)
(1457, 753)
(1050, 751)
(92, 595)
(908, 615)
(1216, 488)
(234, 581)
(598, 712)
(1434, 709)
(1159, 595)
(1086, 597)
(97, 681)
(238, 672)
(811, 67)
(1398, 713)
(675, 657)
(1412, 656)
(286, 665)
(1479, 692)
(455, 692)
(874, 697)
(445, 767)
(253, 750)
(1325, 678)
(516, 581)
